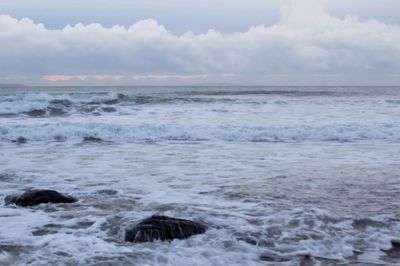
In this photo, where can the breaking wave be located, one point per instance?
(43, 104)
(187, 132)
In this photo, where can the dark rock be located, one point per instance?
(36, 112)
(60, 138)
(20, 140)
(362, 224)
(36, 197)
(396, 244)
(62, 254)
(6, 177)
(274, 258)
(394, 251)
(163, 228)
(108, 192)
(307, 260)
(11, 199)
(47, 229)
(43, 232)
(14, 250)
(92, 139)
(301, 260)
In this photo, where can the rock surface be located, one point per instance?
(163, 228)
(92, 139)
(36, 197)
(394, 251)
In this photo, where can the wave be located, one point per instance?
(280, 91)
(43, 104)
(187, 132)
(95, 103)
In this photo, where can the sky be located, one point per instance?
(255, 42)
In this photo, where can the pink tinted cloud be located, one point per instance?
(55, 78)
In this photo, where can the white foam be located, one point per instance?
(328, 187)
(195, 132)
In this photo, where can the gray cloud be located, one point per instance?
(305, 41)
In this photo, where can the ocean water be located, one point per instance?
(281, 175)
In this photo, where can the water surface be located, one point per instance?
(282, 175)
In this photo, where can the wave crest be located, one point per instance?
(176, 132)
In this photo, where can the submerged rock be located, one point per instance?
(36, 112)
(163, 228)
(20, 140)
(60, 138)
(109, 109)
(36, 197)
(92, 139)
(108, 192)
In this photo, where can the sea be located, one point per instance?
(280, 175)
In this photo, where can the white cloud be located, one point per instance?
(306, 41)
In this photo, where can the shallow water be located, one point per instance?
(280, 175)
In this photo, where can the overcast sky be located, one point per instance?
(331, 42)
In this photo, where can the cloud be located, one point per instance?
(80, 77)
(306, 41)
